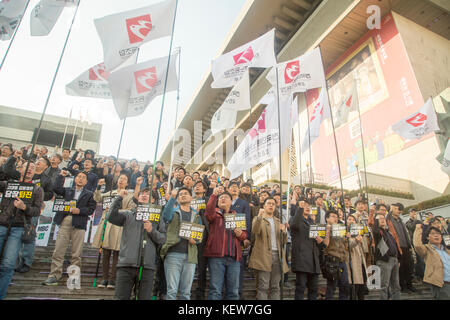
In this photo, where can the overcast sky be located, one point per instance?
(201, 28)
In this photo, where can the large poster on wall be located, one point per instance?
(379, 67)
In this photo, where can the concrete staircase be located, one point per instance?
(28, 286)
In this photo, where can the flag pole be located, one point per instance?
(299, 145)
(309, 140)
(281, 185)
(340, 174)
(74, 132)
(65, 130)
(176, 118)
(53, 82)
(14, 35)
(362, 141)
(144, 242)
(250, 121)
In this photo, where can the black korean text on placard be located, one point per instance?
(107, 201)
(233, 221)
(21, 190)
(356, 230)
(62, 205)
(198, 204)
(146, 212)
(317, 230)
(338, 231)
(190, 230)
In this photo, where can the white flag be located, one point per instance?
(262, 141)
(351, 103)
(418, 124)
(268, 97)
(293, 112)
(92, 83)
(229, 68)
(298, 75)
(10, 15)
(239, 97)
(317, 117)
(122, 34)
(12, 8)
(222, 119)
(445, 165)
(45, 15)
(134, 87)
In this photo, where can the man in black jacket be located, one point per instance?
(72, 225)
(387, 258)
(13, 214)
(406, 265)
(305, 254)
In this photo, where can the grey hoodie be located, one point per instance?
(133, 235)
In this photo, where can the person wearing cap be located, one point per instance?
(437, 262)
(405, 245)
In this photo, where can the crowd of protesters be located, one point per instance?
(149, 258)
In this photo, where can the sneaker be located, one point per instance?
(102, 284)
(23, 269)
(412, 289)
(51, 281)
(111, 284)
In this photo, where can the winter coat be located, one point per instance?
(359, 265)
(133, 236)
(8, 210)
(172, 217)
(434, 268)
(305, 251)
(215, 246)
(113, 233)
(41, 180)
(261, 257)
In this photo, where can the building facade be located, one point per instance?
(395, 52)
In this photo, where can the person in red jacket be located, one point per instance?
(223, 248)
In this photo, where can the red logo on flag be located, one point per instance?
(291, 71)
(348, 103)
(418, 120)
(244, 57)
(98, 73)
(145, 79)
(138, 28)
(260, 126)
(316, 110)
